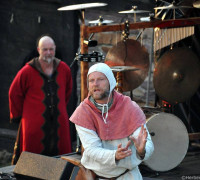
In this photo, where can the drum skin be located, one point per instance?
(170, 138)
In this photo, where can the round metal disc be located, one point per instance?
(130, 53)
(102, 22)
(133, 11)
(177, 75)
(145, 19)
(81, 6)
(170, 139)
(123, 68)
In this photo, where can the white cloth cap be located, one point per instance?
(105, 69)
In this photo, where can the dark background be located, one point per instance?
(20, 29)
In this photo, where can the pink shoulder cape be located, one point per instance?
(124, 117)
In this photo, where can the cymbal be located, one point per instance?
(196, 4)
(149, 18)
(123, 68)
(129, 53)
(177, 75)
(81, 6)
(100, 21)
(145, 19)
(133, 10)
(173, 6)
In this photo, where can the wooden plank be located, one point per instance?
(142, 25)
(194, 136)
(74, 159)
(84, 65)
(195, 145)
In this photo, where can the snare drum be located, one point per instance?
(170, 138)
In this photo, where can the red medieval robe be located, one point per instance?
(40, 103)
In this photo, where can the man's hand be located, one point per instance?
(140, 141)
(121, 153)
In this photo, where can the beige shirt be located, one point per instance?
(99, 155)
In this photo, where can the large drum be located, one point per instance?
(170, 138)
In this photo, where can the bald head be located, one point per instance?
(45, 39)
(46, 49)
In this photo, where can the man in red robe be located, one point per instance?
(38, 98)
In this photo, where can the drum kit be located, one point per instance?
(176, 78)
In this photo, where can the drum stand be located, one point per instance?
(192, 136)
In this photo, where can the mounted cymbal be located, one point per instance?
(100, 21)
(129, 53)
(145, 19)
(133, 11)
(177, 75)
(173, 6)
(196, 4)
(149, 18)
(81, 6)
(123, 68)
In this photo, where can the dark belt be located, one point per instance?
(113, 178)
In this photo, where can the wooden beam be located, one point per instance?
(74, 159)
(196, 145)
(142, 25)
(84, 65)
(194, 136)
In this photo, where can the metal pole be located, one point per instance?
(150, 67)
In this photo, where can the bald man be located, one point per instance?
(38, 98)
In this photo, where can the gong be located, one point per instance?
(130, 53)
(177, 75)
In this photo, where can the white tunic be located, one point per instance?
(99, 155)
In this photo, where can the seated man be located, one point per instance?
(111, 128)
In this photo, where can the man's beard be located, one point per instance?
(48, 59)
(101, 96)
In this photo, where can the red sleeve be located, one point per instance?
(16, 96)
